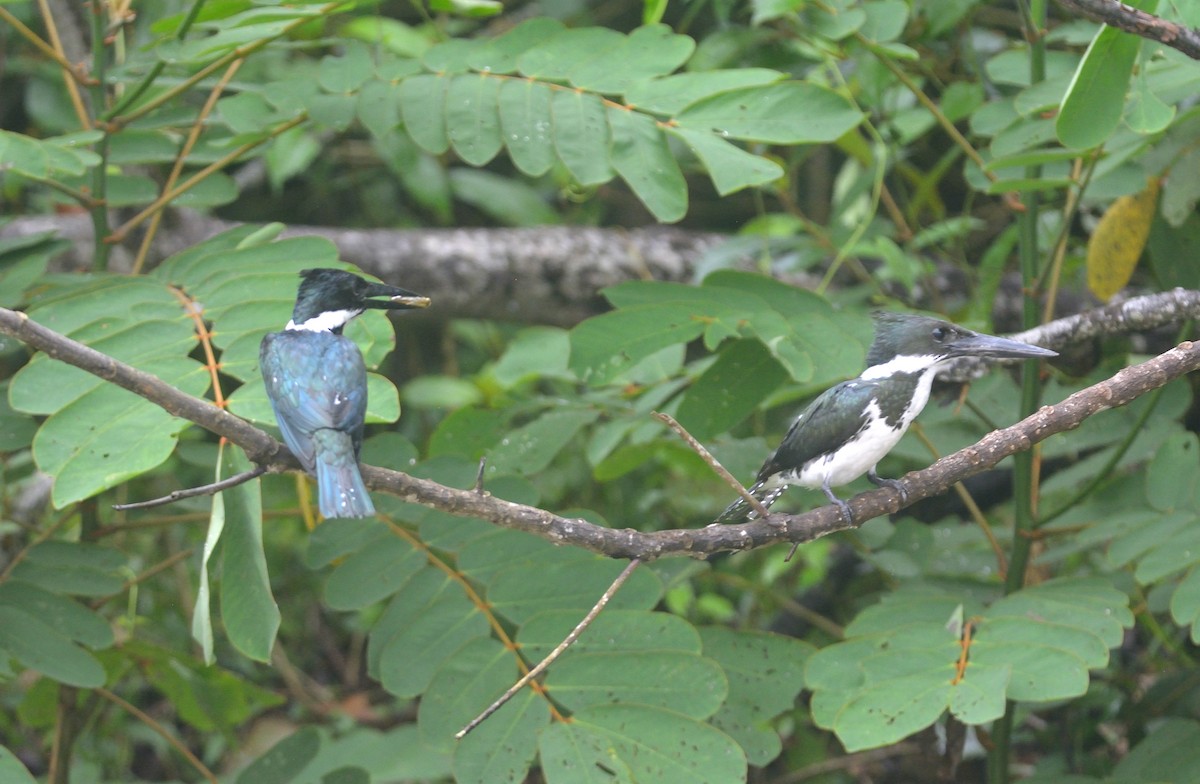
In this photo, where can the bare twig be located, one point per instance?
(174, 742)
(713, 463)
(1132, 20)
(558, 651)
(191, 492)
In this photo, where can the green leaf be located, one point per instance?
(766, 673)
(648, 51)
(40, 647)
(638, 743)
(730, 167)
(783, 113)
(605, 346)
(394, 35)
(554, 58)
(641, 156)
(1172, 476)
(373, 573)
(1095, 98)
(581, 136)
(568, 582)
(500, 54)
(423, 109)
(670, 94)
(248, 609)
(533, 353)
(530, 448)
(348, 71)
(429, 619)
(472, 117)
(1170, 746)
(285, 761)
(74, 568)
(504, 746)
(731, 388)
(65, 616)
(465, 684)
(11, 769)
(505, 199)
(526, 125)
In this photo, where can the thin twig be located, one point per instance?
(554, 654)
(707, 457)
(174, 742)
(192, 492)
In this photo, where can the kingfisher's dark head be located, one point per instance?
(328, 298)
(911, 344)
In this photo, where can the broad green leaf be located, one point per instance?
(1185, 602)
(526, 125)
(373, 573)
(638, 743)
(1095, 98)
(670, 94)
(731, 388)
(1171, 746)
(500, 54)
(464, 685)
(509, 201)
(24, 155)
(347, 71)
(605, 346)
(73, 568)
(641, 156)
(394, 35)
(423, 109)
(647, 52)
(1172, 476)
(428, 620)
(530, 448)
(766, 673)
(504, 746)
(565, 583)
(612, 631)
(65, 616)
(11, 769)
(40, 647)
(209, 698)
(1181, 190)
(730, 167)
(285, 761)
(581, 136)
(556, 56)
(16, 429)
(472, 117)
(533, 353)
(782, 113)
(248, 609)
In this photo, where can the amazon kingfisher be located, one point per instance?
(850, 427)
(317, 382)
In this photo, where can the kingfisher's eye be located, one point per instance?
(940, 334)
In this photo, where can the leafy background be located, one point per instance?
(878, 145)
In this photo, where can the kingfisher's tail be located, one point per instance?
(340, 488)
(739, 511)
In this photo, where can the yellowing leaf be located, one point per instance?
(1117, 243)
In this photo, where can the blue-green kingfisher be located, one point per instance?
(317, 383)
(848, 429)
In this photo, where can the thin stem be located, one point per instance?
(553, 656)
(177, 169)
(149, 79)
(161, 731)
(36, 42)
(100, 173)
(712, 462)
(168, 196)
(70, 82)
(1000, 755)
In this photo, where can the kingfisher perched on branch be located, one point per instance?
(317, 382)
(848, 429)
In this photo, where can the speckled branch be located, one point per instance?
(264, 450)
(1132, 20)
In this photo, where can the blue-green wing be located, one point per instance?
(832, 419)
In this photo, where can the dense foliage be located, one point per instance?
(1049, 613)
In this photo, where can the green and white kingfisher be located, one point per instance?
(848, 429)
(317, 382)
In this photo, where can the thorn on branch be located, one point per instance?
(191, 492)
(479, 476)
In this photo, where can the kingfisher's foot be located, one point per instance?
(895, 484)
(847, 515)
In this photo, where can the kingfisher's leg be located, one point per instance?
(833, 499)
(895, 484)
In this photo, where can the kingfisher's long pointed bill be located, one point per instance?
(978, 345)
(397, 298)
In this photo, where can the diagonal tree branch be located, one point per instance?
(264, 450)
(1132, 20)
